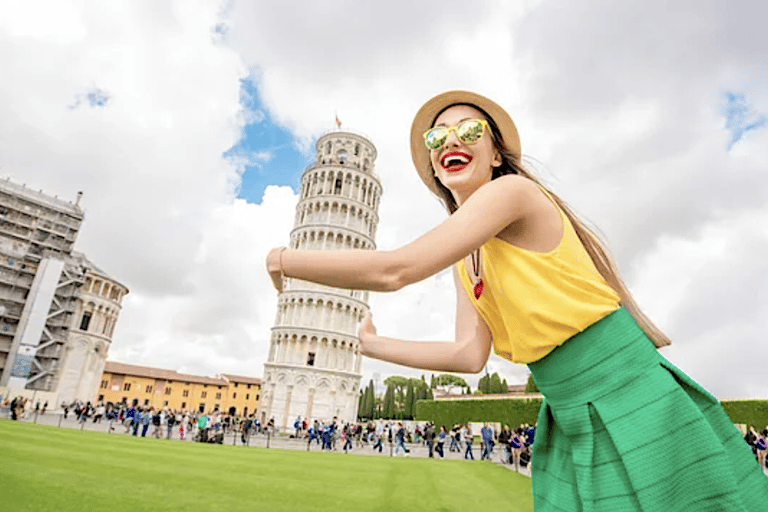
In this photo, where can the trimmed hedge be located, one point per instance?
(747, 412)
(507, 411)
(515, 411)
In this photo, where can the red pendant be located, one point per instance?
(478, 289)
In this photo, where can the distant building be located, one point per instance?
(159, 388)
(516, 389)
(58, 310)
(455, 393)
(450, 390)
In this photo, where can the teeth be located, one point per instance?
(456, 160)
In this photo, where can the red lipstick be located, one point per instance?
(455, 161)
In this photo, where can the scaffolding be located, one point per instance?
(39, 280)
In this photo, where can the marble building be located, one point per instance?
(313, 370)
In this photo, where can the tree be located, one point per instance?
(396, 380)
(388, 410)
(505, 386)
(403, 406)
(530, 387)
(483, 384)
(369, 402)
(446, 379)
(495, 384)
(409, 401)
(432, 382)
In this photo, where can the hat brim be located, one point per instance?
(425, 118)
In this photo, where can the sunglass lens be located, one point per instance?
(436, 138)
(470, 131)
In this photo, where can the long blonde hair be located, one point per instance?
(594, 246)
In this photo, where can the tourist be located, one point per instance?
(441, 441)
(468, 437)
(455, 439)
(400, 440)
(504, 437)
(486, 435)
(429, 438)
(146, 419)
(761, 446)
(297, 427)
(516, 446)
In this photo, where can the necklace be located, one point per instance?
(476, 269)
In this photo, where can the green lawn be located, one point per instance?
(48, 468)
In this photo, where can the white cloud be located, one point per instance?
(621, 104)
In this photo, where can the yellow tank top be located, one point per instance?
(531, 301)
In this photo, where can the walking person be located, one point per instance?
(400, 440)
(146, 419)
(170, 421)
(429, 438)
(538, 286)
(297, 427)
(455, 435)
(441, 441)
(379, 437)
(504, 438)
(347, 437)
(468, 437)
(486, 435)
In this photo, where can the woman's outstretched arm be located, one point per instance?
(468, 354)
(492, 208)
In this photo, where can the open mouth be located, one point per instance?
(455, 161)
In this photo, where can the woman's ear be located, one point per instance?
(497, 161)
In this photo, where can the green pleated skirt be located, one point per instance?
(622, 429)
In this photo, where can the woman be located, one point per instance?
(516, 447)
(441, 441)
(536, 285)
(504, 438)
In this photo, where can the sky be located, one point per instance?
(187, 126)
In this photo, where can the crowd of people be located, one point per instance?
(21, 407)
(395, 437)
(514, 446)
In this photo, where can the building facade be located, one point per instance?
(45, 289)
(97, 307)
(313, 369)
(160, 388)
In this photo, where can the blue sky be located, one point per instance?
(272, 157)
(740, 117)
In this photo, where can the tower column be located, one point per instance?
(328, 218)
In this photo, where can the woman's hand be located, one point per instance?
(273, 267)
(366, 333)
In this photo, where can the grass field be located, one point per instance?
(47, 468)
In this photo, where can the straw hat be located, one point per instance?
(427, 114)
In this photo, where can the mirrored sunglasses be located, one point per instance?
(468, 132)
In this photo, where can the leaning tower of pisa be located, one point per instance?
(313, 371)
